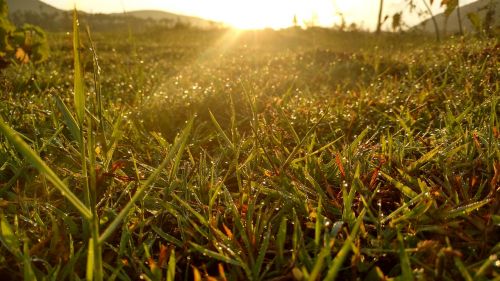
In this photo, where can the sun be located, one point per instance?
(276, 14)
(253, 14)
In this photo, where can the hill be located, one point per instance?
(53, 19)
(157, 15)
(451, 25)
(30, 5)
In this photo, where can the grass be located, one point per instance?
(223, 155)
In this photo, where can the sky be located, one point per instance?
(260, 13)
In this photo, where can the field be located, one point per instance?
(260, 155)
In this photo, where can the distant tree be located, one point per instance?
(484, 26)
(489, 20)
(379, 21)
(450, 6)
(28, 43)
(313, 21)
(342, 26)
(428, 4)
(396, 21)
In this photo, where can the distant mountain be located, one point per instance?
(53, 19)
(451, 25)
(30, 5)
(166, 16)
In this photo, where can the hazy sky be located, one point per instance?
(258, 13)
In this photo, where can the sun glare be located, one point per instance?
(272, 14)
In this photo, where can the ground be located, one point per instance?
(282, 155)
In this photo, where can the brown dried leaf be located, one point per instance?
(228, 231)
(339, 164)
(22, 56)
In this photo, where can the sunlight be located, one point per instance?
(271, 14)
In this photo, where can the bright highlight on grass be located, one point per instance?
(299, 154)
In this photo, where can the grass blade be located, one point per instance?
(8, 238)
(214, 255)
(79, 97)
(463, 270)
(280, 239)
(346, 248)
(190, 209)
(220, 130)
(29, 274)
(406, 190)
(463, 210)
(90, 261)
(171, 266)
(407, 274)
(178, 145)
(320, 262)
(35, 160)
(262, 253)
(424, 159)
(68, 119)
(167, 236)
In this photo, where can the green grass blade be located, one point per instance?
(178, 145)
(318, 229)
(171, 267)
(169, 238)
(320, 262)
(8, 237)
(463, 210)
(297, 147)
(462, 269)
(45, 170)
(190, 209)
(68, 119)
(29, 274)
(280, 239)
(403, 207)
(90, 261)
(406, 190)
(220, 130)
(257, 267)
(424, 159)
(407, 274)
(116, 136)
(485, 266)
(355, 144)
(346, 248)
(214, 255)
(79, 97)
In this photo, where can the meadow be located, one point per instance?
(189, 154)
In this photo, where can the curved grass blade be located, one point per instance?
(35, 160)
(179, 145)
(407, 274)
(171, 266)
(346, 248)
(406, 190)
(68, 119)
(29, 274)
(262, 253)
(220, 130)
(214, 255)
(463, 210)
(8, 238)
